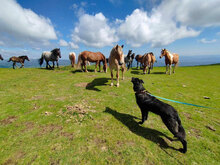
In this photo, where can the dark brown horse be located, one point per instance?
(87, 56)
(1, 58)
(170, 58)
(138, 58)
(19, 59)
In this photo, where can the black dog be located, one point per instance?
(168, 114)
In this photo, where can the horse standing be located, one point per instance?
(72, 57)
(1, 58)
(138, 58)
(170, 58)
(128, 59)
(19, 59)
(146, 61)
(153, 60)
(53, 55)
(116, 60)
(87, 56)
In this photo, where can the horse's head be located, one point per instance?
(1, 58)
(119, 54)
(163, 53)
(26, 58)
(132, 56)
(56, 52)
(105, 67)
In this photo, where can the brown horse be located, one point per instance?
(153, 60)
(146, 62)
(96, 57)
(19, 59)
(170, 58)
(72, 57)
(138, 58)
(1, 58)
(116, 60)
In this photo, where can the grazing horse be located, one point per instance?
(170, 58)
(19, 59)
(72, 57)
(1, 58)
(87, 56)
(138, 58)
(53, 55)
(116, 60)
(128, 59)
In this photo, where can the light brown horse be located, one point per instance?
(72, 57)
(96, 57)
(153, 60)
(138, 58)
(170, 58)
(19, 59)
(146, 62)
(116, 61)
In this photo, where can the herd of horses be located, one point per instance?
(117, 60)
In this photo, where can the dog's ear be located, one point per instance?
(141, 81)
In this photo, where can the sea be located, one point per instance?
(184, 61)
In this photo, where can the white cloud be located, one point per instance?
(140, 28)
(63, 43)
(73, 45)
(94, 31)
(19, 25)
(205, 41)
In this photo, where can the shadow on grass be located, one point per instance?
(147, 133)
(80, 71)
(97, 82)
(158, 73)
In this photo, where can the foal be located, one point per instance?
(19, 59)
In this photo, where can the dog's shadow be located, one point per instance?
(97, 82)
(133, 126)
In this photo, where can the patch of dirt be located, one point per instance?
(187, 115)
(54, 162)
(196, 132)
(210, 127)
(48, 129)
(15, 158)
(28, 126)
(8, 120)
(69, 135)
(83, 84)
(77, 112)
(113, 94)
(101, 143)
(36, 97)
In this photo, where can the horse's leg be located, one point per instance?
(100, 66)
(85, 66)
(96, 66)
(170, 69)
(174, 68)
(149, 69)
(13, 65)
(53, 64)
(22, 65)
(57, 64)
(166, 68)
(122, 70)
(117, 76)
(111, 77)
(137, 64)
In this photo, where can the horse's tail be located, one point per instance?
(41, 60)
(79, 61)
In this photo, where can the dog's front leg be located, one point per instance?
(144, 116)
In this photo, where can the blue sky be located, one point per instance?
(186, 27)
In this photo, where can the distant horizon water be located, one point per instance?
(184, 61)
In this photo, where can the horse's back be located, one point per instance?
(92, 56)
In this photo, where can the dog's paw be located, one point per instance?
(182, 150)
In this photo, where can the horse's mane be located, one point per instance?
(22, 56)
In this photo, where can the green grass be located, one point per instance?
(51, 117)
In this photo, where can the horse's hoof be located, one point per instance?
(117, 85)
(111, 85)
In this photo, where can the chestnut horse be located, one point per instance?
(19, 59)
(170, 58)
(1, 58)
(138, 58)
(116, 61)
(146, 62)
(96, 57)
(153, 60)
(72, 57)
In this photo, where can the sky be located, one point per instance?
(186, 27)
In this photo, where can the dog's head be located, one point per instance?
(137, 84)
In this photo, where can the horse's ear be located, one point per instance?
(116, 46)
(122, 46)
(141, 81)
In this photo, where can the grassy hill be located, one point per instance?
(63, 116)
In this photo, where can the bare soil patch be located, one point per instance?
(8, 120)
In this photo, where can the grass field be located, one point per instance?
(63, 116)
